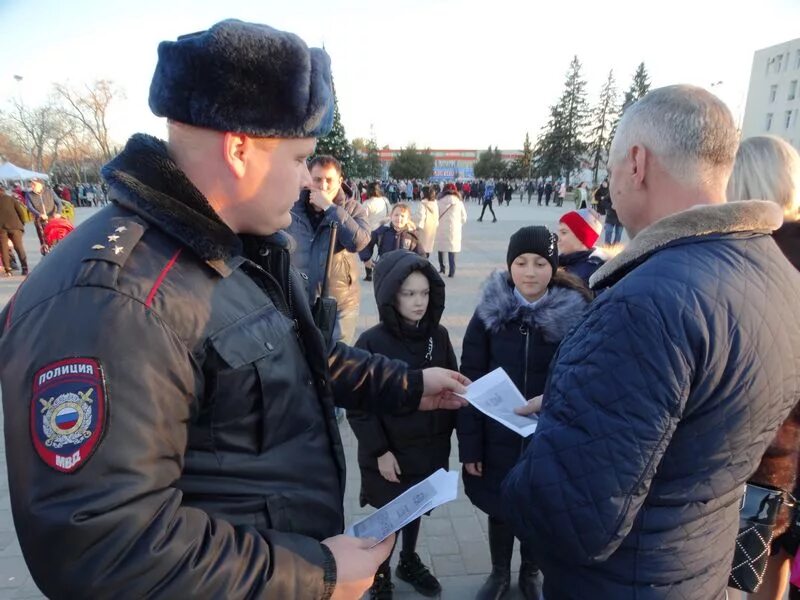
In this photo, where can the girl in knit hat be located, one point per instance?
(578, 232)
(521, 318)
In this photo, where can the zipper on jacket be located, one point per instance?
(527, 332)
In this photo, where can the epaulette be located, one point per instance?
(116, 244)
(105, 257)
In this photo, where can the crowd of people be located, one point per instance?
(665, 379)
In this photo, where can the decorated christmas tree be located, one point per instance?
(335, 143)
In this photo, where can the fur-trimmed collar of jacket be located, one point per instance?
(554, 315)
(750, 216)
(144, 179)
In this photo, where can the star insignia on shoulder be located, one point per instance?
(120, 229)
(98, 247)
(113, 238)
(118, 249)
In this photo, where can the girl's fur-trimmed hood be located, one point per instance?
(553, 316)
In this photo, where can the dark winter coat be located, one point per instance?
(521, 340)
(420, 441)
(582, 264)
(309, 256)
(386, 238)
(602, 198)
(12, 213)
(219, 467)
(780, 464)
(631, 486)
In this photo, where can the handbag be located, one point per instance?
(757, 515)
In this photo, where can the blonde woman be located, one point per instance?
(767, 168)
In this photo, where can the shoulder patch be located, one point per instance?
(68, 412)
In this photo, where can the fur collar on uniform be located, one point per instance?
(144, 179)
(554, 315)
(757, 216)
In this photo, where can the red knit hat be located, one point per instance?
(585, 224)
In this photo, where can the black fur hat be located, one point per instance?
(246, 78)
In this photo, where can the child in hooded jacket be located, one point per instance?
(522, 316)
(397, 452)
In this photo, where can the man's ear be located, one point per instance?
(235, 147)
(638, 162)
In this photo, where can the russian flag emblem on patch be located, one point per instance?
(68, 412)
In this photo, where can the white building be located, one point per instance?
(773, 100)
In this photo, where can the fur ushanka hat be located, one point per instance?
(246, 78)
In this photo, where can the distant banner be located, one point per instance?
(452, 172)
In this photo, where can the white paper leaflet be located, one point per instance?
(439, 488)
(496, 396)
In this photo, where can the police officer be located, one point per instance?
(174, 436)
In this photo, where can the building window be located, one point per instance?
(769, 121)
(778, 63)
(788, 119)
(792, 90)
(797, 60)
(773, 91)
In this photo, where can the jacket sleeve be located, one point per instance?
(366, 253)
(367, 426)
(474, 364)
(603, 431)
(372, 382)
(117, 525)
(354, 234)
(463, 213)
(30, 206)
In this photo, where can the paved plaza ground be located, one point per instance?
(453, 539)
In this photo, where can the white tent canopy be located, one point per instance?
(11, 171)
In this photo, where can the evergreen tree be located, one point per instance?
(410, 163)
(604, 116)
(561, 145)
(490, 164)
(372, 161)
(335, 143)
(639, 86)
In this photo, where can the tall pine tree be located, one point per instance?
(335, 143)
(562, 144)
(639, 87)
(604, 116)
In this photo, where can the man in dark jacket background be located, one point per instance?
(12, 226)
(330, 201)
(660, 404)
(174, 437)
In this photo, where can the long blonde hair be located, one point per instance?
(767, 168)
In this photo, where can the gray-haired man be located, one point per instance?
(662, 401)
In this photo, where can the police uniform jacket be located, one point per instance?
(168, 404)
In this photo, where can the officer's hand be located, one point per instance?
(356, 564)
(533, 406)
(440, 387)
(387, 465)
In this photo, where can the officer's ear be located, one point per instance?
(236, 148)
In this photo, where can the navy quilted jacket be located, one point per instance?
(630, 487)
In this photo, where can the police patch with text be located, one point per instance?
(68, 412)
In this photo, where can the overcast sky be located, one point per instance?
(440, 73)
